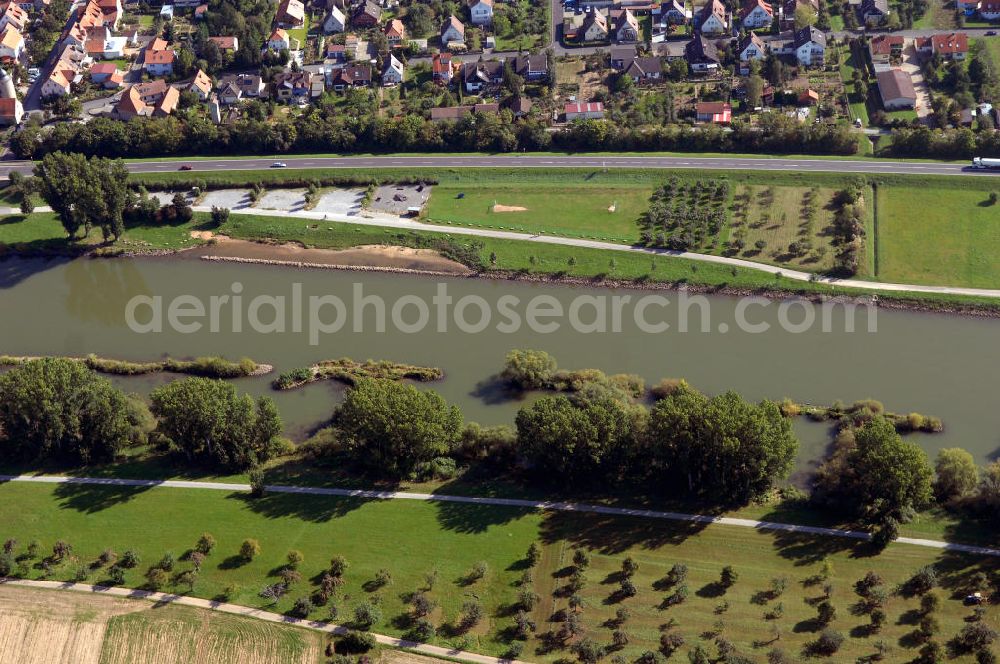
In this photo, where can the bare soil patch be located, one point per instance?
(508, 208)
(364, 256)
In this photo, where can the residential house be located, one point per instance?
(167, 12)
(150, 92)
(896, 89)
(335, 53)
(395, 33)
(367, 15)
(756, 14)
(392, 72)
(672, 12)
(627, 28)
(519, 106)
(594, 27)
(11, 111)
(59, 82)
(645, 70)
(718, 112)
(335, 21)
(968, 7)
(441, 69)
(750, 48)
(481, 75)
(713, 19)
(451, 113)
(989, 10)
(14, 16)
(290, 14)
(158, 59)
(226, 44)
(885, 48)
(137, 102)
(279, 41)
(873, 12)
(202, 85)
(531, 67)
(355, 75)
(240, 86)
(291, 86)
(481, 12)
(702, 55)
(11, 44)
(107, 75)
(950, 45)
(452, 32)
(807, 45)
(621, 57)
(584, 111)
(786, 15)
(808, 98)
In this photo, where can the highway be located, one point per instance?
(610, 161)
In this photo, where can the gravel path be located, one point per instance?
(506, 502)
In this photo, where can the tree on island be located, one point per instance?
(85, 193)
(392, 427)
(208, 421)
(57, 408)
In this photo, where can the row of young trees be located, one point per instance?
(357, 128)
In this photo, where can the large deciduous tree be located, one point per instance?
(85, 193)
(208, 421)
(722, 448)
(878, 477)
(59, 409)
(392, 427)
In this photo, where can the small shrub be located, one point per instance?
(367, 614)
(156, 578)
(829, 642)
(534, 554)
(294, 558)
(166, 562)
(356, 641)
(130, 559)
(302, 607)
(250, 549)
(728, 577)
(338, 565)
(257, 487)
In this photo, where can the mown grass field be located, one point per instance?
(580, 211)
(411, 539)
(938, 236)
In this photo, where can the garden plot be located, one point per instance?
(166, 197)
(233, 199)
(340, 201)
(287, 200)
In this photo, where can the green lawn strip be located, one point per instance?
(859, 106)
(582, 211)
(938, 236)
(598, 155)
(411, 539)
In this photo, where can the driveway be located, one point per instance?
(911, 65)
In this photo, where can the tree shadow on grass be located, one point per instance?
(808, 549)
(610, 534)
(93, 498)
(312, 508)
(471, 518)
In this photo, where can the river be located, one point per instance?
(931, 363)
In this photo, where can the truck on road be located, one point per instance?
(984, 162)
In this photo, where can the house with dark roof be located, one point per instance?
(367, 15)
(750, 48)
(702, 55)
(355, 75)
(645, 70)
(873, 12)
(531, 67)
(621, 56)
(483, 75)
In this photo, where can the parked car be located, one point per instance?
(279, 164)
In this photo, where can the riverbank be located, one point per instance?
(206, 367)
